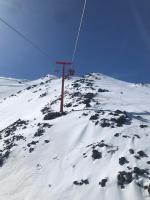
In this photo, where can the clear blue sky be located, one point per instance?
(115, 37)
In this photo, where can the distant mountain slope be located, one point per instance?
(98, 149)
(9, 86)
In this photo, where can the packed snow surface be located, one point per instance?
(9, 86)
(99, 148)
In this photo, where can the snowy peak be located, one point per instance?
(99, 147)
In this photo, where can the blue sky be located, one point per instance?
(115, 37)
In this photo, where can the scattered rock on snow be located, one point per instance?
(103, 182)
(102, 90)
(53, 115)
(131, 151)
(140, 172)
(94, 117)
(96, 154)
(82, 182)
(117, 134)
(143, 126)
(31, 150)
(10, 130)
(39, 132)
(142, 154)
(43, 95)
(44, 125)
(124, 178)
(123, 161)
(32, 143)
(47, 141)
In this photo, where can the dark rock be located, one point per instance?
(13, 95)
(35, 91)
(86, 181)
(84, 155)
(32, 143)
(8, 141)
(19, 92)
(25, 127)
(79, 183)
(68, 105)
(143, 126)
(13, 127)
(18, 137)
(94, 117)
(102, 90)
(142, 154)
(123, 161)
(145, 187)
(76, 85)
(124, 178)
(44, 125)
(137, 136)
(53, 115)
(131, 151)
(115, 113)
(31, 150)
(103, 182)
(45, 110)
(43, 95)
(96, 154)
(121, 120)
(87, 103)
(137, 157)
(8, 133)
(149, 189)
(126, 136)
(105, 123)
(42, 83)
(9, 146)
(47, 141)
(101, 144)
(118, 112)
(1, 161)
(89, 84)
(48, 81)
(28, 88)
(88, 98)
(117, 134)
(140, 172)
(39, 132)
(85, 114)
(129, 168)
(89, 95)
(96, 123)
(76, 94)
(112, 151)
(6, 155)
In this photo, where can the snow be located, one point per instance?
(62, 153)
(9, 86)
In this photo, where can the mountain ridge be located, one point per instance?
(98, 149)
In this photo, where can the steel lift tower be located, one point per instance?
(63, 64)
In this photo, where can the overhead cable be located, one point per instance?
(24, 37)
(79, 30)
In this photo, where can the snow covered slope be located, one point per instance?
(8, 86)
(98, 149)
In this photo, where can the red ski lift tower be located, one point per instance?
(63, 64)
